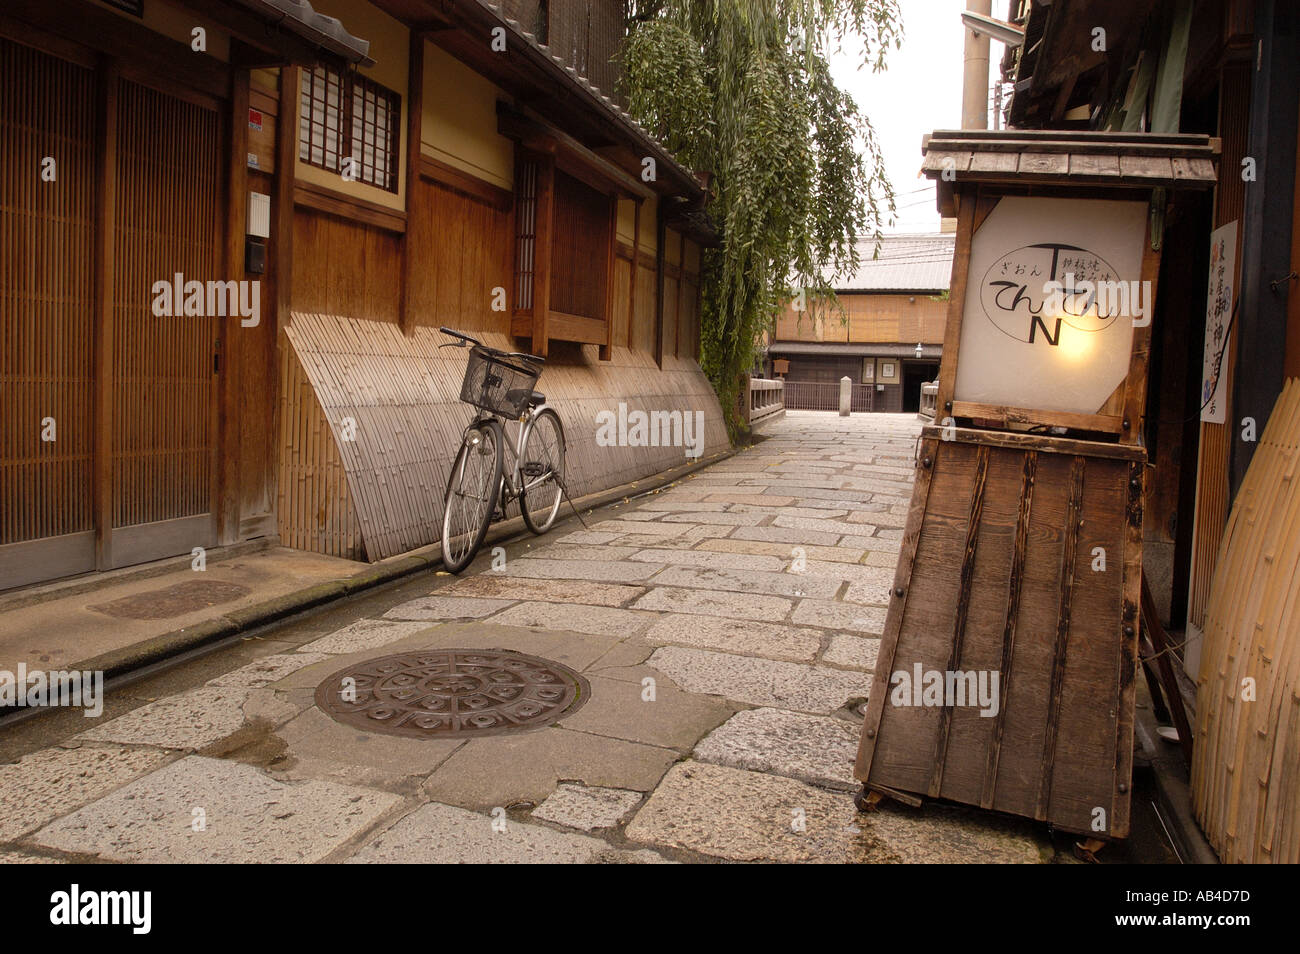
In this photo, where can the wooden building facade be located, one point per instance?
(885, 333)
(230, 233)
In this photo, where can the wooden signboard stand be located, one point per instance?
(1006, 673)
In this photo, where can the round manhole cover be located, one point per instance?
(437, 693)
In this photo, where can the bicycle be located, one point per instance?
(500, 385)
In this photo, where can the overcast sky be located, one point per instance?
(919, 92)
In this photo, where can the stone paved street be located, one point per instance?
(727, 626)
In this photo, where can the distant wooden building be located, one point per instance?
(378, 169)
(888, 337)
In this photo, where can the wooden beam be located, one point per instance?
(636, 267)
(956, 304)
(105, 240)
(1069, 546)
(229, 347)
(1135, 384)
(965, 581)
(286, 165)
(414, 114)
(544, 236)
(607, 348)
(153, 57)
(1015, 584)
(572, 156)
(313, 196)
(1102, 423)
(440, 172)
(661, 235)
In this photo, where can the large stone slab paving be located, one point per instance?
(714, 603)
(575, 551)
(440, 608)
(744, 637)
(657, 714)
(508, 588)
(760, 682)
(267, 670)
(749, 581)
(852, 652)
(587, 807)
(443, 834)
(710, 558)
(595, 620)
(784, 550)
(843, 616)
(749, 816)
(815, 749)
(728, 518)
(316, 746)
(364, 634)
(503, 770)
(189, 720)
(801, 538)
(247, 817)
(608, 571)
(52, 782)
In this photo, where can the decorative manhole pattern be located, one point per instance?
(438, 693)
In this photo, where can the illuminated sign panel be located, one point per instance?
(1054, 292)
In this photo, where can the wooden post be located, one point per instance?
(636, 268)
(542, 258)
(105, 214)
(230, 361)
(607, 349)
(414, 110)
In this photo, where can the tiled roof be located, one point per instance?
(905, 263)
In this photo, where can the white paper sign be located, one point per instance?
(1218, 318)
(1026, 344)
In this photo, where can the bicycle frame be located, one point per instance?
(512, 477)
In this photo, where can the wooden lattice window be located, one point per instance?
(525, 232)
(349, 124)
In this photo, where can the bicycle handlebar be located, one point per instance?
(478, 344)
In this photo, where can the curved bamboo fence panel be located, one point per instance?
(390, 407)
(1246, 766)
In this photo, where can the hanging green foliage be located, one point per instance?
(743, 89)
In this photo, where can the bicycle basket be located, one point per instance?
(496, 384)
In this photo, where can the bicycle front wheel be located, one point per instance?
(472, 488)
(541, 461)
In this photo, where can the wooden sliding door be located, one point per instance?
(47, 213)
(163, 367)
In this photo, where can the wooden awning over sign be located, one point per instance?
(955, 158)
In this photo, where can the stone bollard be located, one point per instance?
(846, 392)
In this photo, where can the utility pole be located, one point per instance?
(975, 77)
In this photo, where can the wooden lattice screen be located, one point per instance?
(47, 124)
(168, 184)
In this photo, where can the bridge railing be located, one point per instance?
(825, 396)
(929, 401)
(764, 400)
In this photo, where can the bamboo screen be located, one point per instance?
(168, 188)
(47, 109)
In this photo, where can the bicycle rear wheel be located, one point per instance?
(472, 489)
(541, 460)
